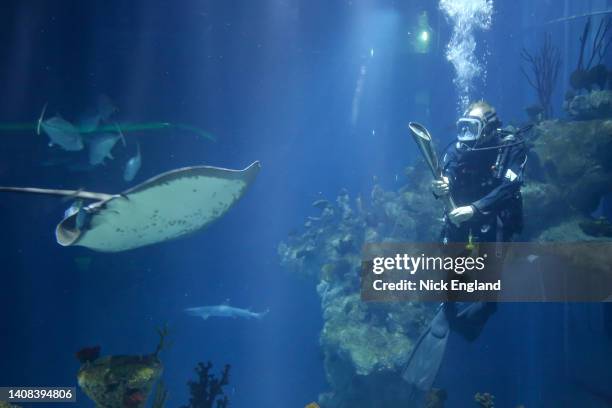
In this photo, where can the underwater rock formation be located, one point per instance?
(593, 105)
(88, 354)
(120, 381)
(207, 391)
(435, 398)
(600, 227)
(366, 344)
(485, 400)
(535, 113)
(160, 396)
(568, 172)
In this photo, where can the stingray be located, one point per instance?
(168, 206)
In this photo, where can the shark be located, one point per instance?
(224, 310)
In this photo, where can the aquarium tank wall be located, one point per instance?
(321, 204)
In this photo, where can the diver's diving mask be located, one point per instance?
(469, 129)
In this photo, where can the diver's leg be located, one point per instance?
(470, 321)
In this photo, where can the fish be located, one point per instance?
(89, 124)
(82, 216)
(133, 165)
(61, 133)
(93, 120)
(168, 206)
(74, 208)
(224, 310)
(101, 146)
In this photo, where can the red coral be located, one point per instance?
(134, 398)
(88, 354)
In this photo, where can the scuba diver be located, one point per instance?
(482, 171)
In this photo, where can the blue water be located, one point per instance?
(274, 81)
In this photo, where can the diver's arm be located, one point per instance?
(511, 183)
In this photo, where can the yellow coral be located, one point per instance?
(142, 375)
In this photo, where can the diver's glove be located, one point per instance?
(440, 187)
(461, 214)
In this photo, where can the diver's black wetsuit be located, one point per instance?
(489, 179)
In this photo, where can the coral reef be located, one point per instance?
(596, 104)
(435, 398)
(4, 404)
(567, 173)
(121, 381)
(545, 68)
(589, 75)
(485, 400)
(161, 394)
(88, 354)
(535, 113)
(365, 345)
(600, 227)
(208, 389)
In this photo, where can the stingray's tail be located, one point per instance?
(63, 193)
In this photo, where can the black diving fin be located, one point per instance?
(426, 357)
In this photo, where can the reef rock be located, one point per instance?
(592, 105)
(484, 400)
(120, 381)
(364, 344)
(568, 172)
